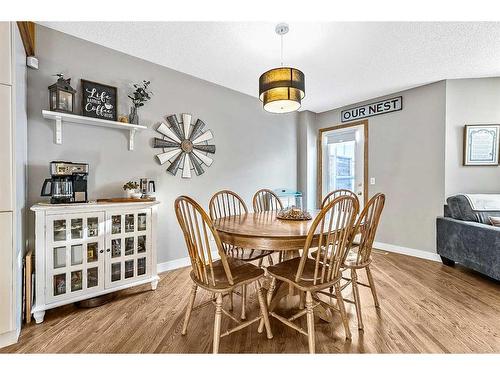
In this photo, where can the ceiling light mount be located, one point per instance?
(282, 28)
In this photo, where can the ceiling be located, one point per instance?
(344, 63)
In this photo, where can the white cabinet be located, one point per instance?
(86, 250)
(75, 255)
(5, 53)
(6, 155)
(128, 242)
(12, 194)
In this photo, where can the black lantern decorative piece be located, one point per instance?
(62, 95)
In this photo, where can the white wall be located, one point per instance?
(255, 149)
(406, 157)
(469, 102)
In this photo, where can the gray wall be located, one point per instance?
(306, 156)
(406, 157)
(469, 102)
(255, 149)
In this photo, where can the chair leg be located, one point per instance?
(310, 323)
(217, 323)
(270, 291)
(357, 301)
(343, 314)
(372, 286)
(189, 308)
(231, 302)
(263, 310)
(243, 302)
(269, 297)
(261, 260)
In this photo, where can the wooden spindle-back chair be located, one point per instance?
(266, 200)
(337, 193)
(219, 277)
(226, 203)
(331, 230)
(360, 255)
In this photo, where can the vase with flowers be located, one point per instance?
(140, 96)
(131, 189)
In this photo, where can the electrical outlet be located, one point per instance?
(372, 181)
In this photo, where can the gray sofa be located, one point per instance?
(465, 236)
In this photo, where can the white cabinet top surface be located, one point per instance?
(91, 206)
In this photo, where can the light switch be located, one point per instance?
(372, 180)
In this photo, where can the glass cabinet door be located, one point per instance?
(128, 246)
(75, 244)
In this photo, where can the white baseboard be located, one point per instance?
(179, 263)
(173, 264)
(184, 262)
(9, 338)
(407, 251)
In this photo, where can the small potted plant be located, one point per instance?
(140, 96)
(131, 189)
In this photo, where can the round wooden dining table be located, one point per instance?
(264, 231)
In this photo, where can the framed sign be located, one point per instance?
(98, 100)
(481, 143)
(372, 109)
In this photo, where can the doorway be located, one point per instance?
(343, 160)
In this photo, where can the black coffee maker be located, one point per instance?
(68, 183)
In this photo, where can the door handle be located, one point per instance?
(360, 193)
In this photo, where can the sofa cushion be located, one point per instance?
(495, 221)
(460, 209)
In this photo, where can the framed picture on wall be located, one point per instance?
(481, 144)
(98, 100)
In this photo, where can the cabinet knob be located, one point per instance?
(108, 250)
(101, 251)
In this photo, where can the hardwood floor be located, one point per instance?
(425, 308)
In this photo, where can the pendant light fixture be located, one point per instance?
(282, 89)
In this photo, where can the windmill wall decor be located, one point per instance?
(185, 146)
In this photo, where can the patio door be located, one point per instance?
(343, 164)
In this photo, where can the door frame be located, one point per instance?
(319, 174)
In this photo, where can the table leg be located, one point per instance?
(277, 290)
(322, 312)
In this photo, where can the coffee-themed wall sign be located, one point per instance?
(372, 109)
(98, 100)
(186, 146)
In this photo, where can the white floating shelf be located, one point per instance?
(60, 117)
